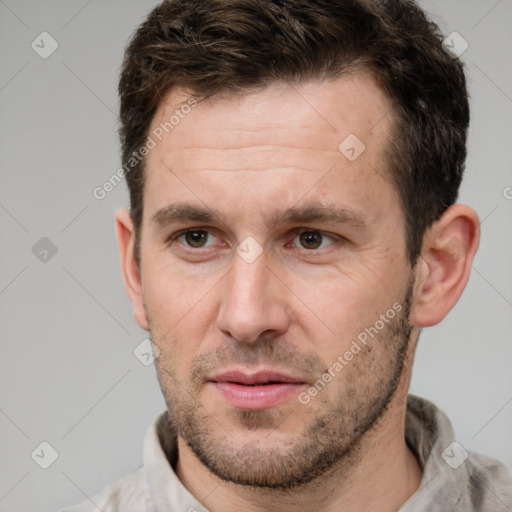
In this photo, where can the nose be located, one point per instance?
(253, 303)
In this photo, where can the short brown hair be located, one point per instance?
(232, 46)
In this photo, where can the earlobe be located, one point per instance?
(444, 268)
(130, 268)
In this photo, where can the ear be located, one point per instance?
(443, 270)
(130, 268)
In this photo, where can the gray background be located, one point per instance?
(68, 375)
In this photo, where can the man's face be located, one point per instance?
(251, 306)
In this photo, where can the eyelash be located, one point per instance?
(297, 232)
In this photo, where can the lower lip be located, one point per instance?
(257, 397)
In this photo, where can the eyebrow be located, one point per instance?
(308, 213)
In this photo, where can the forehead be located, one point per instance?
(271, 141)
(332, 109)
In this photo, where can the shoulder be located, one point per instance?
(126, 493)
(454, 478)
(489, 483)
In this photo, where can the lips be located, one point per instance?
(255, 379)
(256, 391)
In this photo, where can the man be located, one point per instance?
(293, 168)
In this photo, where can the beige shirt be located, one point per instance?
(453, 479)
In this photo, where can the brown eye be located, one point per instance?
(311, 239)
(195, 238)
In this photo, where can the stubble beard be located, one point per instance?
(331, 440)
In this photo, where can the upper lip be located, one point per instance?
(260, 377)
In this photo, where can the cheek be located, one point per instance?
(347, 305)
(337, 296)
(167, 292)
(180, 310)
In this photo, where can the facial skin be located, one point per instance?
(298, 306)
